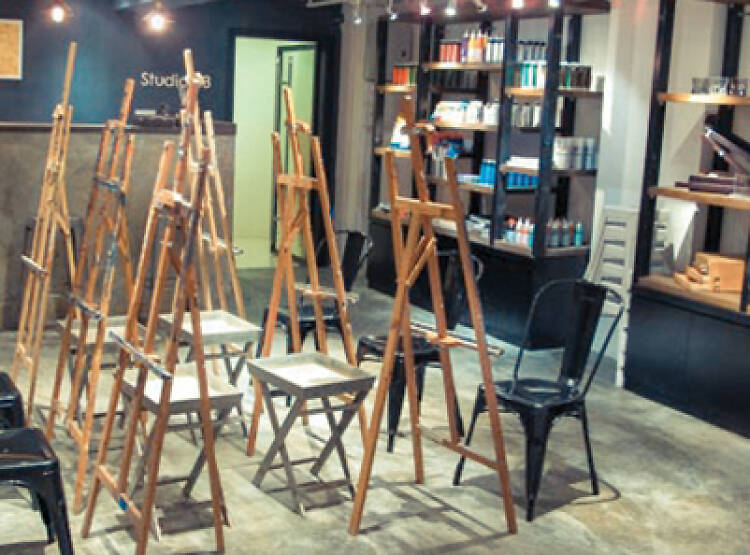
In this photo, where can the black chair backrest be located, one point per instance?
(579, 306)
(352, 259)
(357, 247)
(454, 288)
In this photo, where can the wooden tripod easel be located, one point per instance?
(177, 249)
(292, 194)
(52, 215)
(412, 255)
(105, 233)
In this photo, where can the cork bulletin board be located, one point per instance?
(11, 49)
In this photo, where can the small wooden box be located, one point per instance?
(714, 272)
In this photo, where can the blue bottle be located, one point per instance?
(578, 234)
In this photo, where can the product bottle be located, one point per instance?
(578, 234)
(565, 234)
(465, 47)
(531, 235)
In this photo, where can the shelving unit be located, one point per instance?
(517, 270)
(689, 349)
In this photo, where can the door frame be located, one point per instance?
(277, 122)
(325, 100)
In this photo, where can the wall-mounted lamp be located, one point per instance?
(157, 18)
(59, 11)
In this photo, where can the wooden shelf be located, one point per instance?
(738, 202)
(524, 92)
(397, 152)
(447, 228)
(465, 126)
(462, 66)
(505, 168)
(396, 89)
(667, 284)
(477, 188)
(713, 99)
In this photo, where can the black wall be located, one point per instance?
(113, 45)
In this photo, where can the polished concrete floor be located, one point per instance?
(669, 483)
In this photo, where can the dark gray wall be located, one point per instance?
(114, 45)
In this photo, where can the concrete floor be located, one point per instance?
(669, 483)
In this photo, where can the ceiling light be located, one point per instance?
(392, 15)
(424, 9)
(450, 9)
(517, 4)
(553, 3)
(480, 6)
(357, 17)
(157, 18)
(59, 11)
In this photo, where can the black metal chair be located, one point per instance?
(11, 404)
(357, 248)
(28, 460)
(371, 347)
(539, 402)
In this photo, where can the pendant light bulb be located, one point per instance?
(59, 11)
(424, 9)
(157, 18)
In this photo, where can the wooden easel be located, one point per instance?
(52, 215)
(217, 241)
(418, 251)
(177, 248)
(105, 233)
(292, 193)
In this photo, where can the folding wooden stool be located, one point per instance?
(412, 254)
(52, 216)
(292, 192)
(177, 247)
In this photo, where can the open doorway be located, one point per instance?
(262, 67)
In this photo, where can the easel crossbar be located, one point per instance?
(140, 356)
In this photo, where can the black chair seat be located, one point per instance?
(536, 393)
(11, 403)
(424, 351)
(306, 313)
(28, 460)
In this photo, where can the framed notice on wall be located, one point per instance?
(11, 49)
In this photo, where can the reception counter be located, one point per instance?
(23, 148)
